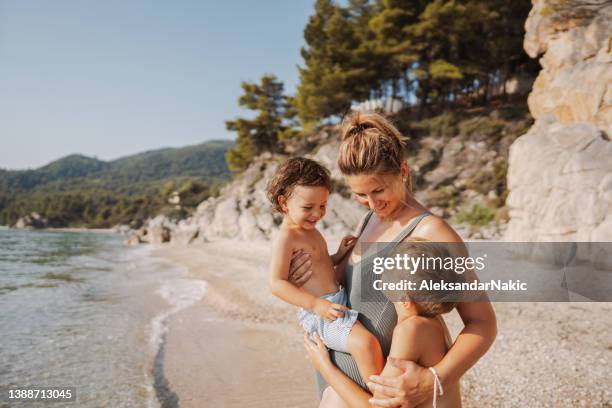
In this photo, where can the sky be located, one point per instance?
(112, 78)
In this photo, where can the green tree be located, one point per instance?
(337, 61)
(267, 129)
(392, 41)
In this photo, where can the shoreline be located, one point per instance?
(242, 342)
(237, 346)
(63, 229)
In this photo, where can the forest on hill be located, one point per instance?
(83, 191)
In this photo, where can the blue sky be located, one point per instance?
(111, 78)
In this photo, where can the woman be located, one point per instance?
(372, 159)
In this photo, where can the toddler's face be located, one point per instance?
(306, 205)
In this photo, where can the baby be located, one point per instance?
(299, 190)
(420, 334)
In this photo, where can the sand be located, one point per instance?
(239, 346)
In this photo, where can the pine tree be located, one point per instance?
(338, 69)
(393, 43)
(267, 129)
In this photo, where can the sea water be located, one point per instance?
(79, 309)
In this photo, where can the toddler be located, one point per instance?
(420, 334)
(299, 190)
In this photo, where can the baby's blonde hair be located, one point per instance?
(371, 145)
(434, 302)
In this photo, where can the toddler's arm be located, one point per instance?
(344, 248)
(416, 339)
(405, 345)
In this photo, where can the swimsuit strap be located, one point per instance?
(410, 227)
(400, 237)
(406, 231)
(365, 222)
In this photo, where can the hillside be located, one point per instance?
(77, 190)
(459, 164)
(130, 174)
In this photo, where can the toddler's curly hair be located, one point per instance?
(297, 171)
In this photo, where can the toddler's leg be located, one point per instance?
(331, 399)
(366, 351)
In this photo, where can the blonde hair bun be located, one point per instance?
(370, 144)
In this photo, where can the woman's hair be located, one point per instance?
(297, 171)
(370, 144)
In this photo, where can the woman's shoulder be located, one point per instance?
(435, 228)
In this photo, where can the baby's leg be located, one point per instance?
(331, 399)
(366, 351)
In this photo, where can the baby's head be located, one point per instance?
(299, 189)
(431, 302)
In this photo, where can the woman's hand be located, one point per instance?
(411, 388)
(317, 352)
(299, 268)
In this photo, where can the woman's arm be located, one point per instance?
(478, 318)
(472, 343)
(352, 394)
(279, 271)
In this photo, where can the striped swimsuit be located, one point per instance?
(376, 313)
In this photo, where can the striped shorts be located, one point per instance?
(333, 333)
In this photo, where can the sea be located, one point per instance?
(80, 310)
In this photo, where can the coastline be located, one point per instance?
(240, 345)
(63, 229)
(83, 229)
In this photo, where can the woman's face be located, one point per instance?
(382, 194)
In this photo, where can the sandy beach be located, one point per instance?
(239, 346)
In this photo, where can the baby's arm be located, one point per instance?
(283, 289)
(417, 339)
(345, 246)
(405, 345)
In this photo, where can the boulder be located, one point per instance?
(559, 182)
(32, 221)
(133, 239)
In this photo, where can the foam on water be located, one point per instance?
(100, 327)
(179, 294)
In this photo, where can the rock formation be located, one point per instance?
(454, 167)
(32, 221)
(242, 210)
(560, 172)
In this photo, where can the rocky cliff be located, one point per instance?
(242, 210)
(458, 160)
(560, 172)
